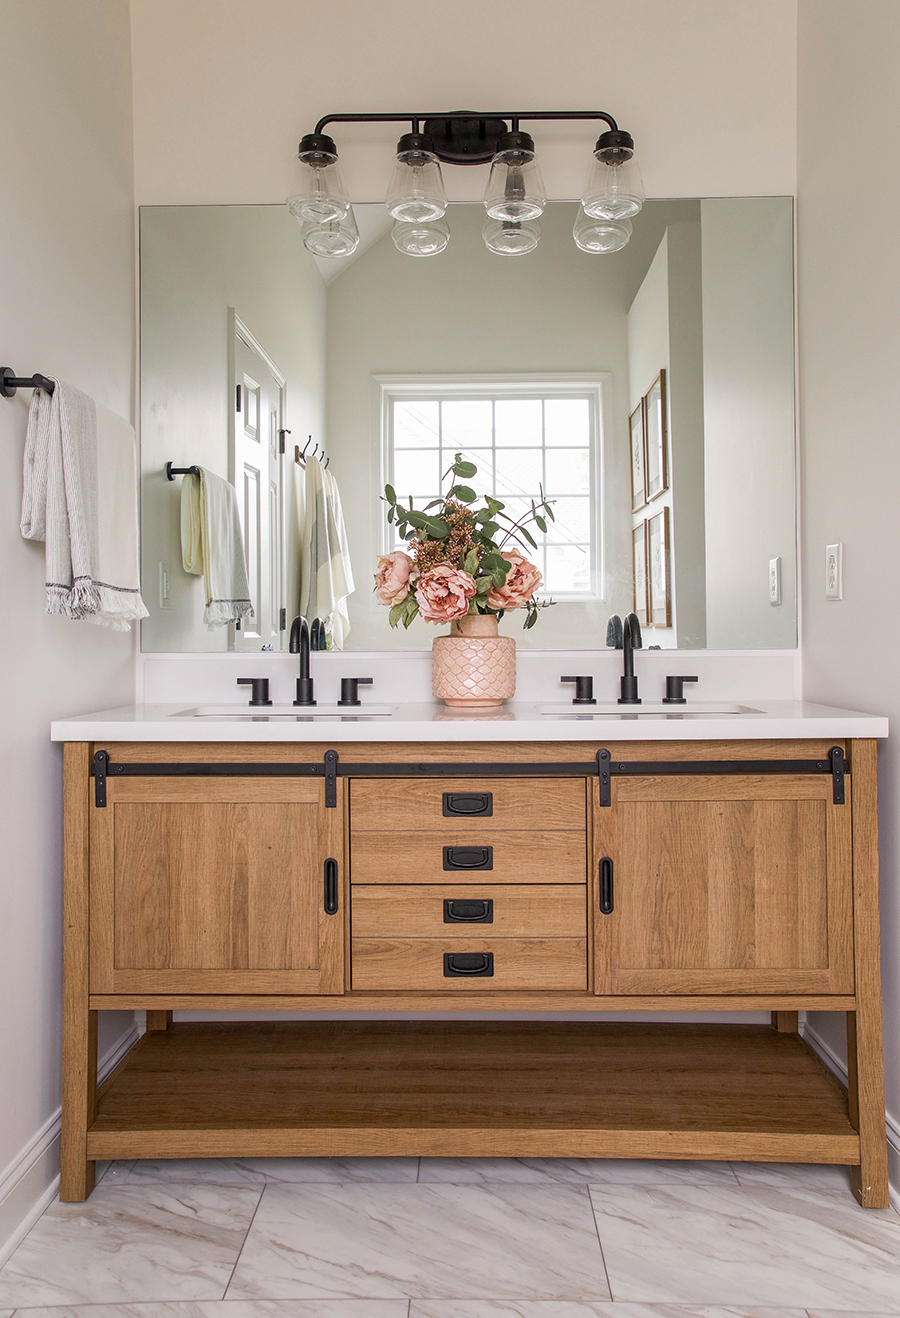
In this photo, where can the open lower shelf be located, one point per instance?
(513, 1089)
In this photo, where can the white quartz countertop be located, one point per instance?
(756, 720)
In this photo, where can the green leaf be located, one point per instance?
(499, 578)
(411, 609)
(389, 494)
(490, 529)
(483, 585)
(437, 528)
(541, 523)
(528, 536)
(530, 621)
(464, 493)
(549, 511)
(435, 503)
(418, 520)
(396, 613)
(390, 514)
(465, 470)
(470, 563)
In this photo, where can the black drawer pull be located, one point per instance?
(606, 886)
(469, 910)
(331, 886)
(468, 963)
(468, 803)
(468, 858)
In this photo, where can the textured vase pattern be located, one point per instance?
(473, 671)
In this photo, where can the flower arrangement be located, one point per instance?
(459, 562)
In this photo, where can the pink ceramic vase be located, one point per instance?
(473, 667)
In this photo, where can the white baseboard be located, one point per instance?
(31, 1181)
(839, 1067)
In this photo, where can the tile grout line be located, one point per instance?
(590, 1199)
(244, 1241)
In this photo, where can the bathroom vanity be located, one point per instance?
(416, 872)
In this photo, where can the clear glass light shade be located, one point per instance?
(515, 189)
(416, 190)
(424, 239)
(510, 238)
(615, 191)
(600, 235)
(322, 196)
(332, 239)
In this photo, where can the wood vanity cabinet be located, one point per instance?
(426, 880)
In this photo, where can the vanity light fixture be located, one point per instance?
(514, 198)
(416, 194)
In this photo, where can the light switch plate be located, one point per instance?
(774, 580)
(834, 572)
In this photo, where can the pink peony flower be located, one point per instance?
(443, 593)
(392, 580)
(522, 581)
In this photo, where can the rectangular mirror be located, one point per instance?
(648, 392)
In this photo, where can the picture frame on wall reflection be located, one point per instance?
(639, 572)
(656, 443)
(637, 434)
(659, 600)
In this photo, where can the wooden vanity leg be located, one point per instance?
(79, 1024)
(865, 1057)
(158, 1020)
(786, 1022)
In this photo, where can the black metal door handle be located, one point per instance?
(468, 858)
(331, 886)
(468, 803)
(469, 910)
(468, 963)
(607, 892)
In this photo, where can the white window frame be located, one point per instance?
(533, 384)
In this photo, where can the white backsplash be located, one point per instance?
(405, 676)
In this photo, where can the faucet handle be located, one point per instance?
(349, 692)
(260, 693)
(584, 690)
(675, 690)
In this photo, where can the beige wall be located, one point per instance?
(849, 275)
(225, 89)
(67, 309)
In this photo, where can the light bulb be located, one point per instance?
(322, 196)
(423, 239)
(511, 238)
(332, 239)
(416, 190)
(515, 189)
(600, 235)
(615, 190)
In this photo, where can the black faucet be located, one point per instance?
(299, 644)
(631, 641)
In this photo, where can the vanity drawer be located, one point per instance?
(460, 964)
(424, 911)
(444, 804)
(461, 854)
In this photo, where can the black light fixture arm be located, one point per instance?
(465, 137)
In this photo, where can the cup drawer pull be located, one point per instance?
(468, 910)
(468, 963)
(468, 803)
(468, 858)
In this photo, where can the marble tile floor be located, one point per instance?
(458, 1238)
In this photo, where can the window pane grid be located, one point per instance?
(516, 451)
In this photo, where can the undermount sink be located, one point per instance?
(282, 713)
(649, 709)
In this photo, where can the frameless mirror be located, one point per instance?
(647, 392)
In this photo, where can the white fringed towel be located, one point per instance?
(211, 544)
(80, 498)
(326, 577)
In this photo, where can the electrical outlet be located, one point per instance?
(164, 602)
(774, 580)
(834, 572)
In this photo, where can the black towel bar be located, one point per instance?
(10, 382)
(172, 472)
